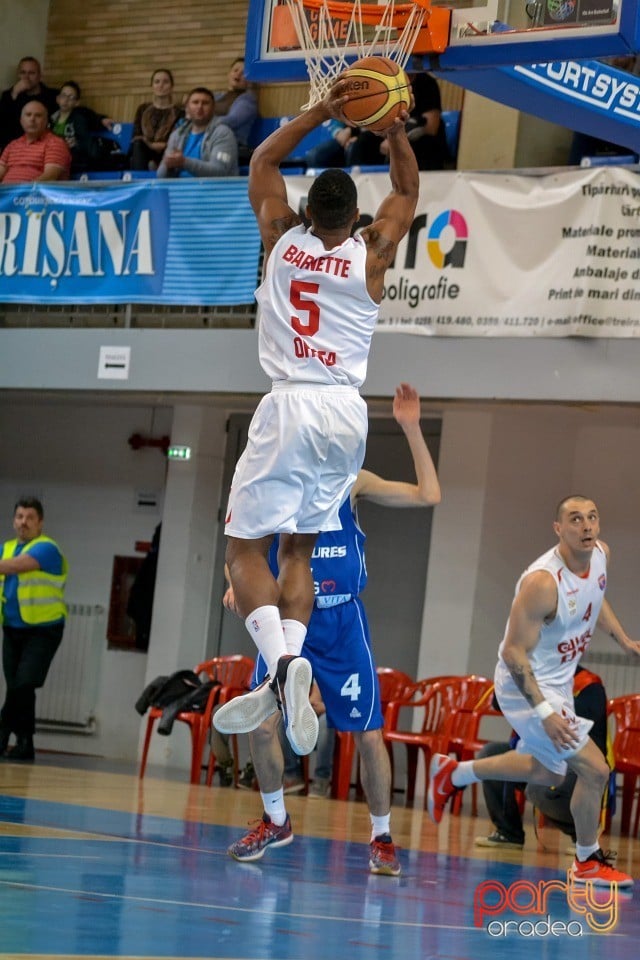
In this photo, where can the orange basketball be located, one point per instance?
(378, 90)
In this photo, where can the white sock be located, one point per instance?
(294, 636)
(274, 806)
(380, 825)
(265, 629)
(583, 852)
(464, 775)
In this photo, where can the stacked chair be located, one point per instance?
(450, 709)
(626, 751)
(231, 676)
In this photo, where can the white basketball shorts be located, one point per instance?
(533, 737)
(305, 447)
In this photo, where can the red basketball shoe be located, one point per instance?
(599, 871)
(440, 785)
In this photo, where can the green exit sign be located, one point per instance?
(179, 453)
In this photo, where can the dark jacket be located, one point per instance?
(10, 110)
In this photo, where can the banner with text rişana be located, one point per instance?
(191, 242)
(507, 255)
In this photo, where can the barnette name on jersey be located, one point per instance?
(338, 266)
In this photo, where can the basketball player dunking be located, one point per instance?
(319, 304)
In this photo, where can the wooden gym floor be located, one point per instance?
(97, 864)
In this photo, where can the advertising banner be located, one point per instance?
(506, 255)
(139, 242)
(486, 255)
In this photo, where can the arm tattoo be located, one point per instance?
(385, 249)
(281, 225)
(523, 678)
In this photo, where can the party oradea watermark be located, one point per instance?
(597, 908)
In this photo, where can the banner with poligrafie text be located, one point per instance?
(486, 255)
(507, 255)
(156, 242)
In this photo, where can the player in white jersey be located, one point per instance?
(339, 648)
(558, 603)
(319, 304)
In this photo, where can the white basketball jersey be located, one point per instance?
(563, 641)
(316, 315)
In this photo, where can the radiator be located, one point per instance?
(67, 702)
(619, 672)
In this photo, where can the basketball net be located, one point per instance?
(370, 30)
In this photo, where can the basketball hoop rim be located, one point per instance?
(370, 13)
(389, 30)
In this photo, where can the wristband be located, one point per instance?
(544, 709)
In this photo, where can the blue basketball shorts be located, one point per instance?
(338, 646)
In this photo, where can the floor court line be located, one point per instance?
(213, 906)
(164, 886)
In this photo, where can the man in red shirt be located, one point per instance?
(38, 154)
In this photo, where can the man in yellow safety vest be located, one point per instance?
(33, 574)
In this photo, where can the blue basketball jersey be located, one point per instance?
(338, 644)
(337, 563)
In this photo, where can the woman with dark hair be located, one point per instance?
(154, 122)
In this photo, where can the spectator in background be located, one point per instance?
(37, 155)
(79, 127)
(153, 123)
(238, 104)
(332, 153)
(33, 574)
(204, 146)
(425, 130)
(29, 86)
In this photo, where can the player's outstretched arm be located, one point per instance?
(396, 493)
(396, 212)
(267, 189)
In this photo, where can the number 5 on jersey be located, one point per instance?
(303, 305)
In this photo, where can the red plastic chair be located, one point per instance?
(462, 734)
(626, 752)
(234, 672)
(224, 669)
(437, 698)
(394, 685)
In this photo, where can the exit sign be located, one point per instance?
(179, 453)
